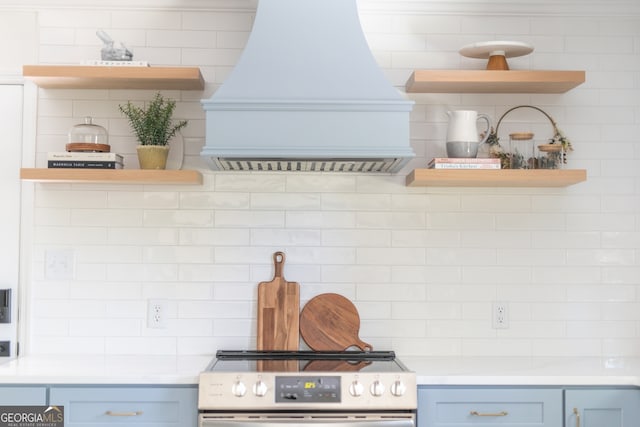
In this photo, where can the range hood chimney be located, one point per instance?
(307, 95)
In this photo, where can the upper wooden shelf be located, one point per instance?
(493, 81)
(106, 176)
(119, 77)
(495, 178)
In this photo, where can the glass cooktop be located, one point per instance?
(307, 361)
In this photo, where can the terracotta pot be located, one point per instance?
(153, 156)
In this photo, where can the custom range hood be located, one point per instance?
(307, 95)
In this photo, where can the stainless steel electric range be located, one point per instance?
(326, 389)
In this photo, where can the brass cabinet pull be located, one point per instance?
(577, 414)
(496, 414)
(123, 414)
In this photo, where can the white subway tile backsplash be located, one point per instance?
(67, 345)
(104, 327)
(605, 329)
(620, 347)
(377, 220)
(390, 256)
(175, 218)
(601, 293)
(140, 345)
(287, 201)
(141, 236)
(213, 201)
(459, 329)
(255, 183)
(504, 347)
(423, 265)
(562, 347)
(218, 21)
(319, 219)
(146, 200)
(104, 217)
(70, 235)
(355, 274)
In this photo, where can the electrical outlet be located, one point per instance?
(59, 264)
(157, 314)
(500, 315)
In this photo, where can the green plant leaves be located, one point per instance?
(153, 125)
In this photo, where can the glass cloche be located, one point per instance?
(88, 136)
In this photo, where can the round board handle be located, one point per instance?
(278, 262)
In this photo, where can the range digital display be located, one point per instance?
(293, 389)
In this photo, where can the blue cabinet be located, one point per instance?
(23, 395)
(489, 406)
(602, 407)
(101, 406)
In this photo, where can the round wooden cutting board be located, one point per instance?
(330, 322)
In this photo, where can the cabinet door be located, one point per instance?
(19, 395)
(602, 408)
(504, 407)
(127, 406)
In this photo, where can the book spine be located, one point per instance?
(489, 160)
(464, 166)
(66, 156)
(68, 164)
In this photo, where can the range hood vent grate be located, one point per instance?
(307, 165)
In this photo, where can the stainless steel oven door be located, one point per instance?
(383, 419)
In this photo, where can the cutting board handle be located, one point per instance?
(278, 262)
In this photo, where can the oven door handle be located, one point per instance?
(285, 421)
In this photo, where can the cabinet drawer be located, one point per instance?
(20, 395)
(506, 407)
(127, 406)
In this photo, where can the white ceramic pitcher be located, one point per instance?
(462, 134)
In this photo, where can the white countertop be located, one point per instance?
(171, 370)
(556, 371)
(103, 369)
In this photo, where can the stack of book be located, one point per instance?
(464, 163)
(79, 160)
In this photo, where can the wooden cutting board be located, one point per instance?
(278, 311)
(330, 322)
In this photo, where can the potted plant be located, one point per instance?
(154, 128)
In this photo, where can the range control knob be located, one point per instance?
(398, 388)
(260, 388)
(377, 388)
(356, 388)
(238, 389)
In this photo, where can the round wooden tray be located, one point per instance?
(550, 148)
(84, 147)
(521, 136)
(496, 52)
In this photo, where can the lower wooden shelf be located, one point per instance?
(118, 176)
(495, 178)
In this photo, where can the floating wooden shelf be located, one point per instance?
(118, 77)
(118, 176)
(495, 178)
(493, 81)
